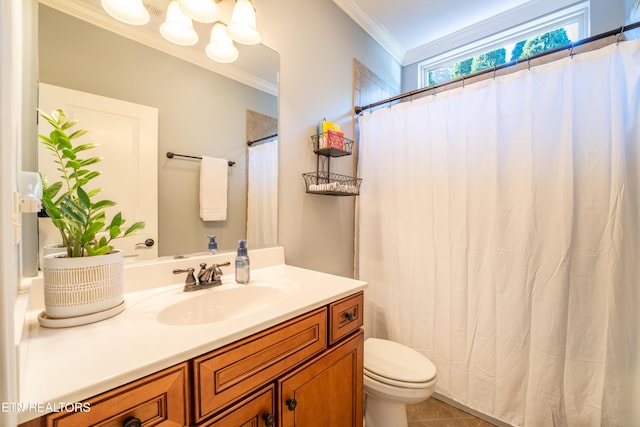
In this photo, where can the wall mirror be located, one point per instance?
(202, 107)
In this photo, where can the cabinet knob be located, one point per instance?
(269, 419)
(132, 422)
(291, 404)
(350, 316)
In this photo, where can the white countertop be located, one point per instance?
(72, 364)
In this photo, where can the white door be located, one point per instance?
(128, 138)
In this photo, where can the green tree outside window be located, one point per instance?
(522, 49)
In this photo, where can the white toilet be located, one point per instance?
(394, 376)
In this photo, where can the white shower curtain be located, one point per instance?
(262, 195)
(498, 231)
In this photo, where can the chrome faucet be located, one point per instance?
(207, 277)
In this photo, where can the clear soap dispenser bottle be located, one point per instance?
(242, 263)
(213, 245)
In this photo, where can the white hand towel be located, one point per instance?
(213, 189)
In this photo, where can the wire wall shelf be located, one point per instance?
(331, 144)
(332, 184)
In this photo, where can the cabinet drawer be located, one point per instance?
(226, 374)
(159, 399)
(345, 316)
(256, 410)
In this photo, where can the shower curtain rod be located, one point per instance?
(619, 31)
(250, 143)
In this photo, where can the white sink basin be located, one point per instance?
(222, 303)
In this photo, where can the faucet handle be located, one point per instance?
(204, 274)
(217, 272)
(190, 280)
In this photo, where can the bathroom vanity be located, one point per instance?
(296, 361)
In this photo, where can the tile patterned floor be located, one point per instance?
(434, 413)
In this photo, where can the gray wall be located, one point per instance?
(317, 43)
(200, 113)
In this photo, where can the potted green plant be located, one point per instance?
(87, 277)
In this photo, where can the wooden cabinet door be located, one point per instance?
(257, 410)
(327, 391)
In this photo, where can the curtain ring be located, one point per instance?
(494, 72)
(571, 51)
(435, 91)
(619, 35)
(529, 63)
(462, 82)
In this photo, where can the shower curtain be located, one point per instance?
(498, 231)
(262, 195)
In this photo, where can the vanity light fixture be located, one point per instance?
(130, 12)
(205, 11)
(178, 27)
(242, 27)
(221, 48)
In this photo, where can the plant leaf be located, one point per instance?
(84, 198)
(50, 119)
(53, 189)
(74, 211)
(45, 140)
(114, 227)
(68, 124)
(61, 140)
(94, 192)
(92, 174)
(78, 133)
(98, 216)
(102, 204)
(84, 147)
(59, 116)
(134, 227)
(90, 234)
(72, 164)
(68, 154)
(90, 161)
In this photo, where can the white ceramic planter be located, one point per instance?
(54, 248)
(81, 286)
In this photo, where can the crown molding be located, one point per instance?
(373, 28)
(89, 14)
(480, 30)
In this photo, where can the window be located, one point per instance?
(551, 31)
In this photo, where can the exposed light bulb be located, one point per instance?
(220, 47)
(178, 28)
(242, 27)
(130, 12)
(205, 11)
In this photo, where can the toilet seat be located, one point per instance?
(398, 384)
(395, 364)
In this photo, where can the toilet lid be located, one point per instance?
(397, 362)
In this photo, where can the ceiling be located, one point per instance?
(414, 30)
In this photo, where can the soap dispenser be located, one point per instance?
(242, 263)
(213, 245)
